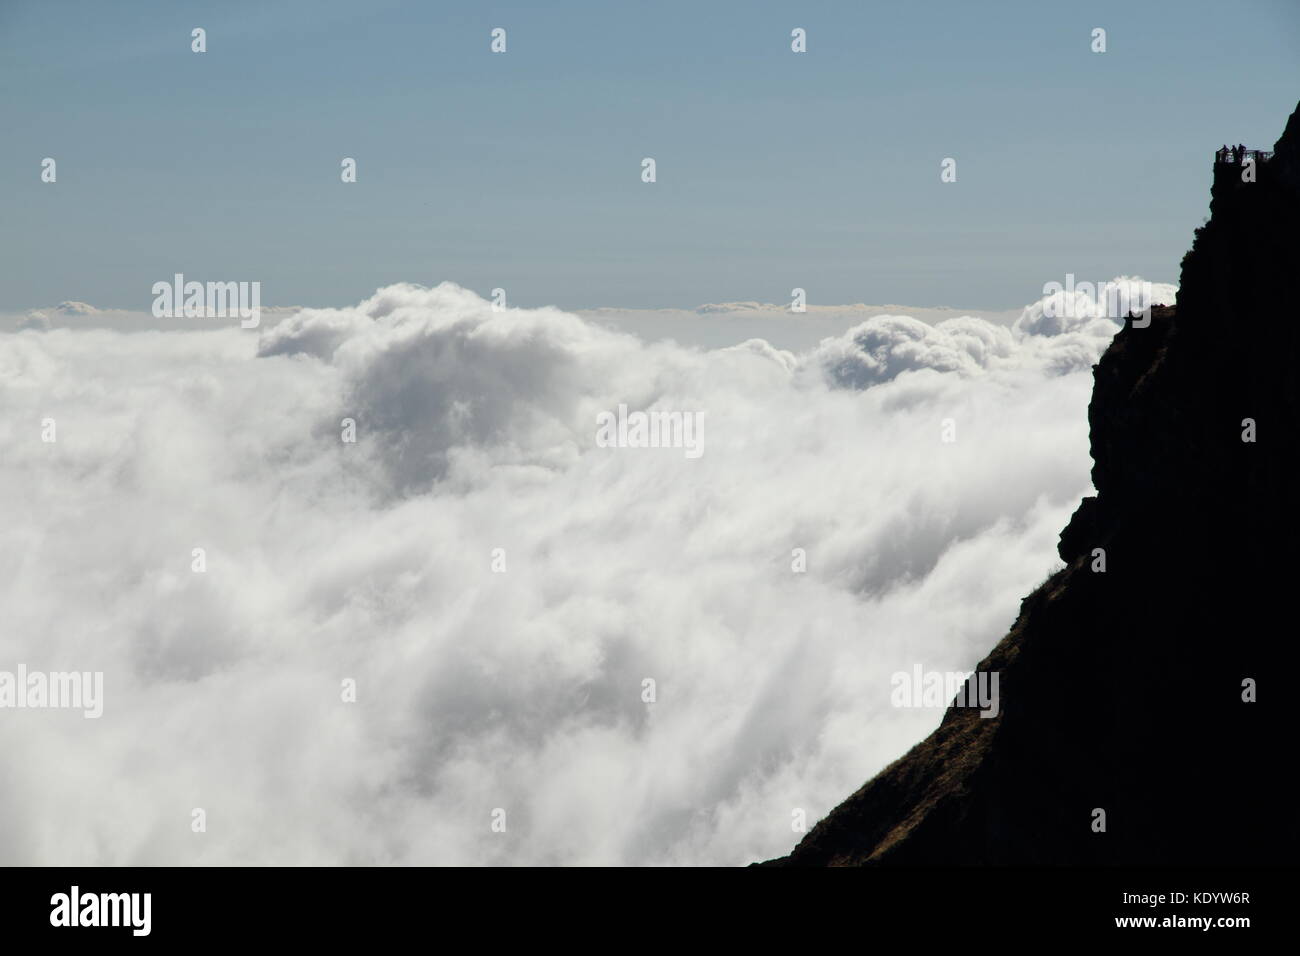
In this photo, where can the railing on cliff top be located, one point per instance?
(1231, 157)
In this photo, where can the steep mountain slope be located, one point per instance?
(1123, 690)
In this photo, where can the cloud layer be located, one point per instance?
(519, 689)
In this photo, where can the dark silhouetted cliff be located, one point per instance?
(1123, 690)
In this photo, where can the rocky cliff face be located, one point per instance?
(1123, 690)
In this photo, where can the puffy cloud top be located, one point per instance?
(498, 585)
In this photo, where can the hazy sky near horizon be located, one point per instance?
(522, 170)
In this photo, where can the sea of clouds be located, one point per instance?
(521, 690)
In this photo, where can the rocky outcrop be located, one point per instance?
(1123, 690)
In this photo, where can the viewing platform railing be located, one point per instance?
(1231, 157)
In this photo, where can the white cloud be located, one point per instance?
(82, 315)
(722, 324)
(883, 347)
(1074, 309)
(519, 690)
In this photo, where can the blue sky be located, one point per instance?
(522, 170)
